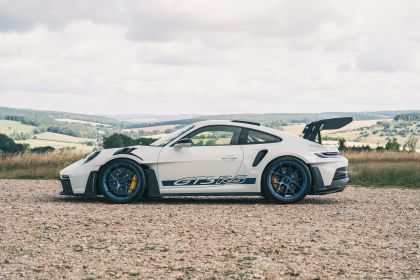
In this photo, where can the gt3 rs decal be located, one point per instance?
(209, 181)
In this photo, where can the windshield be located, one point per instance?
(168, 138)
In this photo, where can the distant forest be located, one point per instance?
(46, 121)
(407, 117)
(105, 126)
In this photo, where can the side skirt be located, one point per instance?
(214, 194)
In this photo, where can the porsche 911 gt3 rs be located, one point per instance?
(217, 157)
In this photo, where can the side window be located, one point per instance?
(258, 137)
(217, 135)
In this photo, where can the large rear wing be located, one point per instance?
(312, 131)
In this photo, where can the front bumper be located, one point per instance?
(91, 189)
(66, 185)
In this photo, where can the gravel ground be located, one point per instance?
(360, 233)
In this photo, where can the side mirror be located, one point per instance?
(183, 143)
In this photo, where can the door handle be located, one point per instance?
(230, 157)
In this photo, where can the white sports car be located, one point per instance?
(215, 158)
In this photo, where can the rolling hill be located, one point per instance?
(85, 132)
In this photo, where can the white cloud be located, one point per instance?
(209, 57)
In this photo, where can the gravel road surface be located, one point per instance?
(361, 233)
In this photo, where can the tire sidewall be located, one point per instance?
(264, 181)
(139, 191)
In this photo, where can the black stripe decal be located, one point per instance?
(207, 182)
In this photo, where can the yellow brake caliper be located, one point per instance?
(133, 185)
(275, 182)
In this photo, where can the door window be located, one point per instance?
(217, 135)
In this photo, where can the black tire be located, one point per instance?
(289, 187)
(114, 179)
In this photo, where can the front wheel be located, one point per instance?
(122, 181)
(286, 180)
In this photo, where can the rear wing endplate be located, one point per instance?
(312, 131)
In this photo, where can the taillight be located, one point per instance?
(328, 154)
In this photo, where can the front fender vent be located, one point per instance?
(127, 151)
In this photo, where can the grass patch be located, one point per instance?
(371, 169)
(36, 166)
(8, 127)
(379, 169)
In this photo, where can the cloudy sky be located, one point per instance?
(209, 57)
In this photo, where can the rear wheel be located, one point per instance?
(122, 181)
(286, 180)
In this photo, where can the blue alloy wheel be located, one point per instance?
(287, 180)
(122, 181)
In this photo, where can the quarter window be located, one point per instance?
(258, 137)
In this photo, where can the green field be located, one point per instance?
(8, 127)
(55, 140)
(58, 141)
(60, 137)
(33, 143)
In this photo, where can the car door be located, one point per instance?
(209, 164)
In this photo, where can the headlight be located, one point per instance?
(91, 156)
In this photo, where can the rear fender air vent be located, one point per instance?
(260, 156)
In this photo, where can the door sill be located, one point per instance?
(213, 194)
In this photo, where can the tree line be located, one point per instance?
(121, 140)
(8, 146)
(407, 117)
(391, 145)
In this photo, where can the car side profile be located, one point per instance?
(215, 158)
